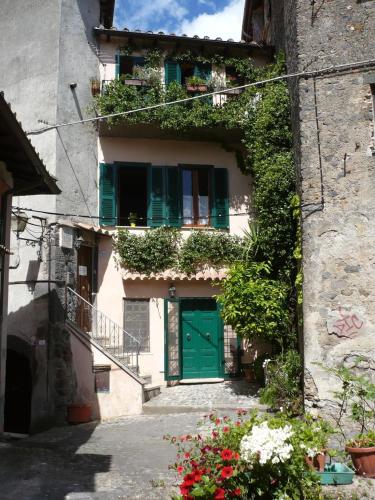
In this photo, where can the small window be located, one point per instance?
(132, 196)
(195, 199)
(137, 323)
(127, 65)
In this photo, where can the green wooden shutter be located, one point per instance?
(173, 198)
(172, 72)
(117, 67)
(156, 197)
(220, 200)
(108, 195)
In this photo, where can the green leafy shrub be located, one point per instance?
(163, 248)
(283, 387)
(214, 249)
(153, 252)
(255, 305)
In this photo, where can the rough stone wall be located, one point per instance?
(333, 126)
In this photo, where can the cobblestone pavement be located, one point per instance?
(121, 459)
(231, 394)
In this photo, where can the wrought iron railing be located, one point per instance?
(108, 334)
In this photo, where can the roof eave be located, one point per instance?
(208, 42)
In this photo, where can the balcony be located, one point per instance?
(202, 119)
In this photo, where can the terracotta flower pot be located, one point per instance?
(78, 413)
(318, 462)
(363, 460)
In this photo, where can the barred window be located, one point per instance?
(137, 323)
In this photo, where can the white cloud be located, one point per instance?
(225, 24)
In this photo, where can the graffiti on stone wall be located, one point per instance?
(347, 325)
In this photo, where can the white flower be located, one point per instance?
(312, 452)
(265, 363)
(268, 445)
(302, 446)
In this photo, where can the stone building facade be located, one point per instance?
(333, 121)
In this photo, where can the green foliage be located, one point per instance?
(283, 388)
(215, 249)
(356, 400)
(153, 252)
(212, 463)
(255, 304)
(163, 248)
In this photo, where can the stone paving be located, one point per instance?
(230, 394)
(125, 458)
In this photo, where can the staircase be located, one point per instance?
(84, 318)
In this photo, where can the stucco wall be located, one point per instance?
(169, 153)
(45, 46)
(125, 395)
(335, 120)
(113, 289)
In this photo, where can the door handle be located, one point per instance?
(188, 336)
(208, 336)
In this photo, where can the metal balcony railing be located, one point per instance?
(108, 334)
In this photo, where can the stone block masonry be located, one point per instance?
(334, 127)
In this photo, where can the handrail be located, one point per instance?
(103, 314)
(110, 335)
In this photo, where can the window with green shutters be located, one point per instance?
(175, 196)
(176, 72)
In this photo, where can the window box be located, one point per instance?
(136, 82)
(196, 88)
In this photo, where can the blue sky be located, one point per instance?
(193, 17)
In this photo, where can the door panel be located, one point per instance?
(84, 285)
(200, 339)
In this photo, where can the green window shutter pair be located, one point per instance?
(173, 72)
(164, 197)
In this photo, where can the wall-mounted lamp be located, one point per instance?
(172, 291)
(78, 242)
(19, 222)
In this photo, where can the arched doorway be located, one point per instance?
(18, 389)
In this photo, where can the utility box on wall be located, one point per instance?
(102, 377)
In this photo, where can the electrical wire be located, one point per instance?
(304, 74)
(62, 214)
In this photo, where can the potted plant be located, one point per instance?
(356, 402)
(314, 434)
(196, 84)
(95, 86)
(134, 79)
(133, 219)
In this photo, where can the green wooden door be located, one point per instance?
(201, 339)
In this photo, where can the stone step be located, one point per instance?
(150, 391)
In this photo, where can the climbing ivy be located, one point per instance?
(259, 295)
(163, 248)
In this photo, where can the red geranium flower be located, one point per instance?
(187, 455)
(184, 490)
(219, 494)
(227, 454)
(180, 469)
(226, 429)
(189, 480)
(237, 492)
(197, 477)
(215, 434)
(217, 421)
(227, 472)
